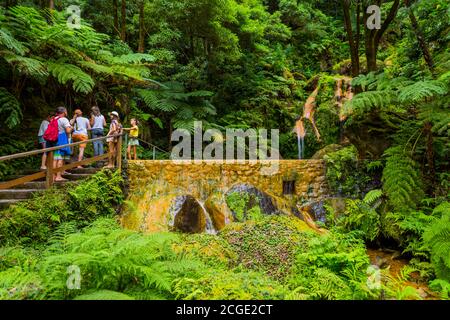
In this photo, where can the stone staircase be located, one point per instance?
(26, 191)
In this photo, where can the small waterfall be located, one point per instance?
(301, 133)
(209, 224)
(301, 147)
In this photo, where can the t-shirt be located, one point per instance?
(81, 126)
(98, 122)
(134, 133)
(118, 127)
(43, 128)
(63, 124)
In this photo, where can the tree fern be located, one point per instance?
(97, 68)
(65, 72)
(366, 102)
(422, 90)
(26, 66)
(401, 179)
(437, 238)
(158, 101)
(8, 41)
(133, 58)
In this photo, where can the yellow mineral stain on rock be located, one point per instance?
(155, 184)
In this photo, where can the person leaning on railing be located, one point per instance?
(114, 129)
(133, 141)
(81, 127)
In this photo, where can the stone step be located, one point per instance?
(18, 176)
(6, 203)
(37, 185)
(85, 170)
(26, 172)
(17, 194)
(76, 177)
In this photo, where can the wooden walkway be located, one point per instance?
(23, 186)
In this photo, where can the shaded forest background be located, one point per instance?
(238, 64)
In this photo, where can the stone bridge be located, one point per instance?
(155, 186)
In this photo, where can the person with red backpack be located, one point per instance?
(57, 134)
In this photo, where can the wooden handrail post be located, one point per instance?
(119, 153)
(49, 176)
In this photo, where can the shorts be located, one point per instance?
(78, 137)
(133, 142)
(58, 155)
(64, 153)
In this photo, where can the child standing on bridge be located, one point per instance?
(133, 143)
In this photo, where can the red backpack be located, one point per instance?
(51, 134)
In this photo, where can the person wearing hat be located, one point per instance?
(81, 127)
(114, 128)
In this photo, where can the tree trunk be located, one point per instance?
(123, 33)
(116, 16)
(373, 37)
(354, 50)
(51, 5)
(419, 35)
(141, 48)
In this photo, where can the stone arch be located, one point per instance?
(189, 216)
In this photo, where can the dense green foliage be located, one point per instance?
(34, 220)
(234, 64)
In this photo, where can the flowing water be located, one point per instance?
(301, 147)
(209, 224)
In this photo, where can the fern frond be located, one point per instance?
(366, 102)
(65, 72)
(373, 196)
(154, 101)
(401, 180)
(422, 90)
(97, 68)
(104, 295)
(134, 58)
(8, 41)
(437, 237)
(28, 66)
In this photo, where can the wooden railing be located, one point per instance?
(51, 171)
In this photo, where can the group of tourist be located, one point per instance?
(77, 130)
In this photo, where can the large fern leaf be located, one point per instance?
(8, 41)
(437, 237)
(27, 66)
(422, 90)
(65, 72)
(402, 180)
